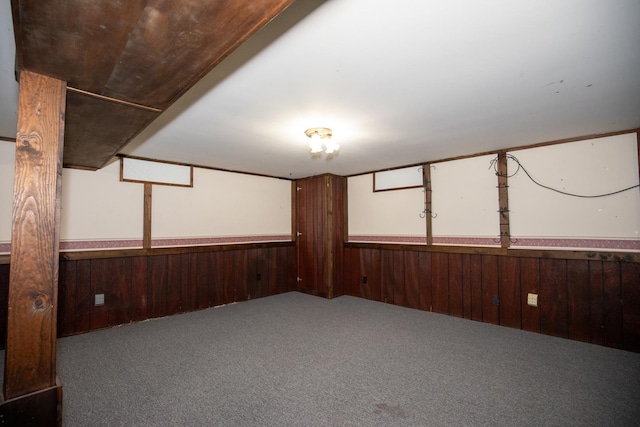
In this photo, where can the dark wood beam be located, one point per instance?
(146, 228)
(150, 52)
(426, 178)
(503, 200)
(97, 128)
(31, 332)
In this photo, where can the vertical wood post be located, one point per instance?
(33, 283)
(329, 266)
(503, 200)
(426, 180)
(146, 228)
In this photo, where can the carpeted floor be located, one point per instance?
(299, 360)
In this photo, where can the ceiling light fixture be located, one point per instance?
(321, 140)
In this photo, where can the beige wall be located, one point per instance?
(587, 167)
(465, 199)
(389, 215)
(97, 206)
(7, 161)
(222, 204)
(101, 212)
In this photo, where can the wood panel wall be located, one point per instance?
(586, 300)
(320, 234)
(144, 287)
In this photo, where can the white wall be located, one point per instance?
(587, 167)
(7, 162)
(385, 215)
(101, 212)
(222, 204)
(97, 206)
(464, 198)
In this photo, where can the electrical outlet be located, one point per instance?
(99, 299)
(495, 300)
(364, 279)
(532, 300)
(259, 276)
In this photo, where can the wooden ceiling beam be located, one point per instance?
(132, 55)
(97, 128)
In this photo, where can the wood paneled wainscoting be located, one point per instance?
(582, 297)
(139, 284)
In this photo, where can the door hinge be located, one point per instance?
(298, 188)
(298, 233)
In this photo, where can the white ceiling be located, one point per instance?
(399, 83)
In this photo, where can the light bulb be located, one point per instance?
(316, 145)
(332, 147)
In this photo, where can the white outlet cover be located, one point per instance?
(99, 299)
(532, 300)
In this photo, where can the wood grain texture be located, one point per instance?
(553, 298)
(509, 291)
(150, 53)
(203, 281)
(596, 289)
(352, 271)
(320, 224)
(337, 230)
(490, 312)
(370, 267)
(239, 275)
(174, 284)
(97, 129)
(475, 279)
(100, 271)
(466, 286)
(138, 277)
(83, 297)
(426, 287)
(630, 274)
(42, 408)
(578, 300)
(4, 302)
(412, 279)
(399, 291)
(147, 210)
(254, 267)
(455, 285)
(157, 286)
(440, 283)
(118, 291)
(530, 283)
(612, 304)
(188, 267)
(428, 197)
(33, 283)
(176, 278)
(387, 277)
(503, 200)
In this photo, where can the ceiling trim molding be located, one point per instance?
(517, 148)
(114, 100)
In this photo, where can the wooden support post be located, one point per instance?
(426, 179)
(33, 283)
(146, 228)
(503, 200)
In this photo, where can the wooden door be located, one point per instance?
(310, 240)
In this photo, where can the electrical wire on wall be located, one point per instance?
(494, 164)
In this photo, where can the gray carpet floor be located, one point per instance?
(299, 360)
